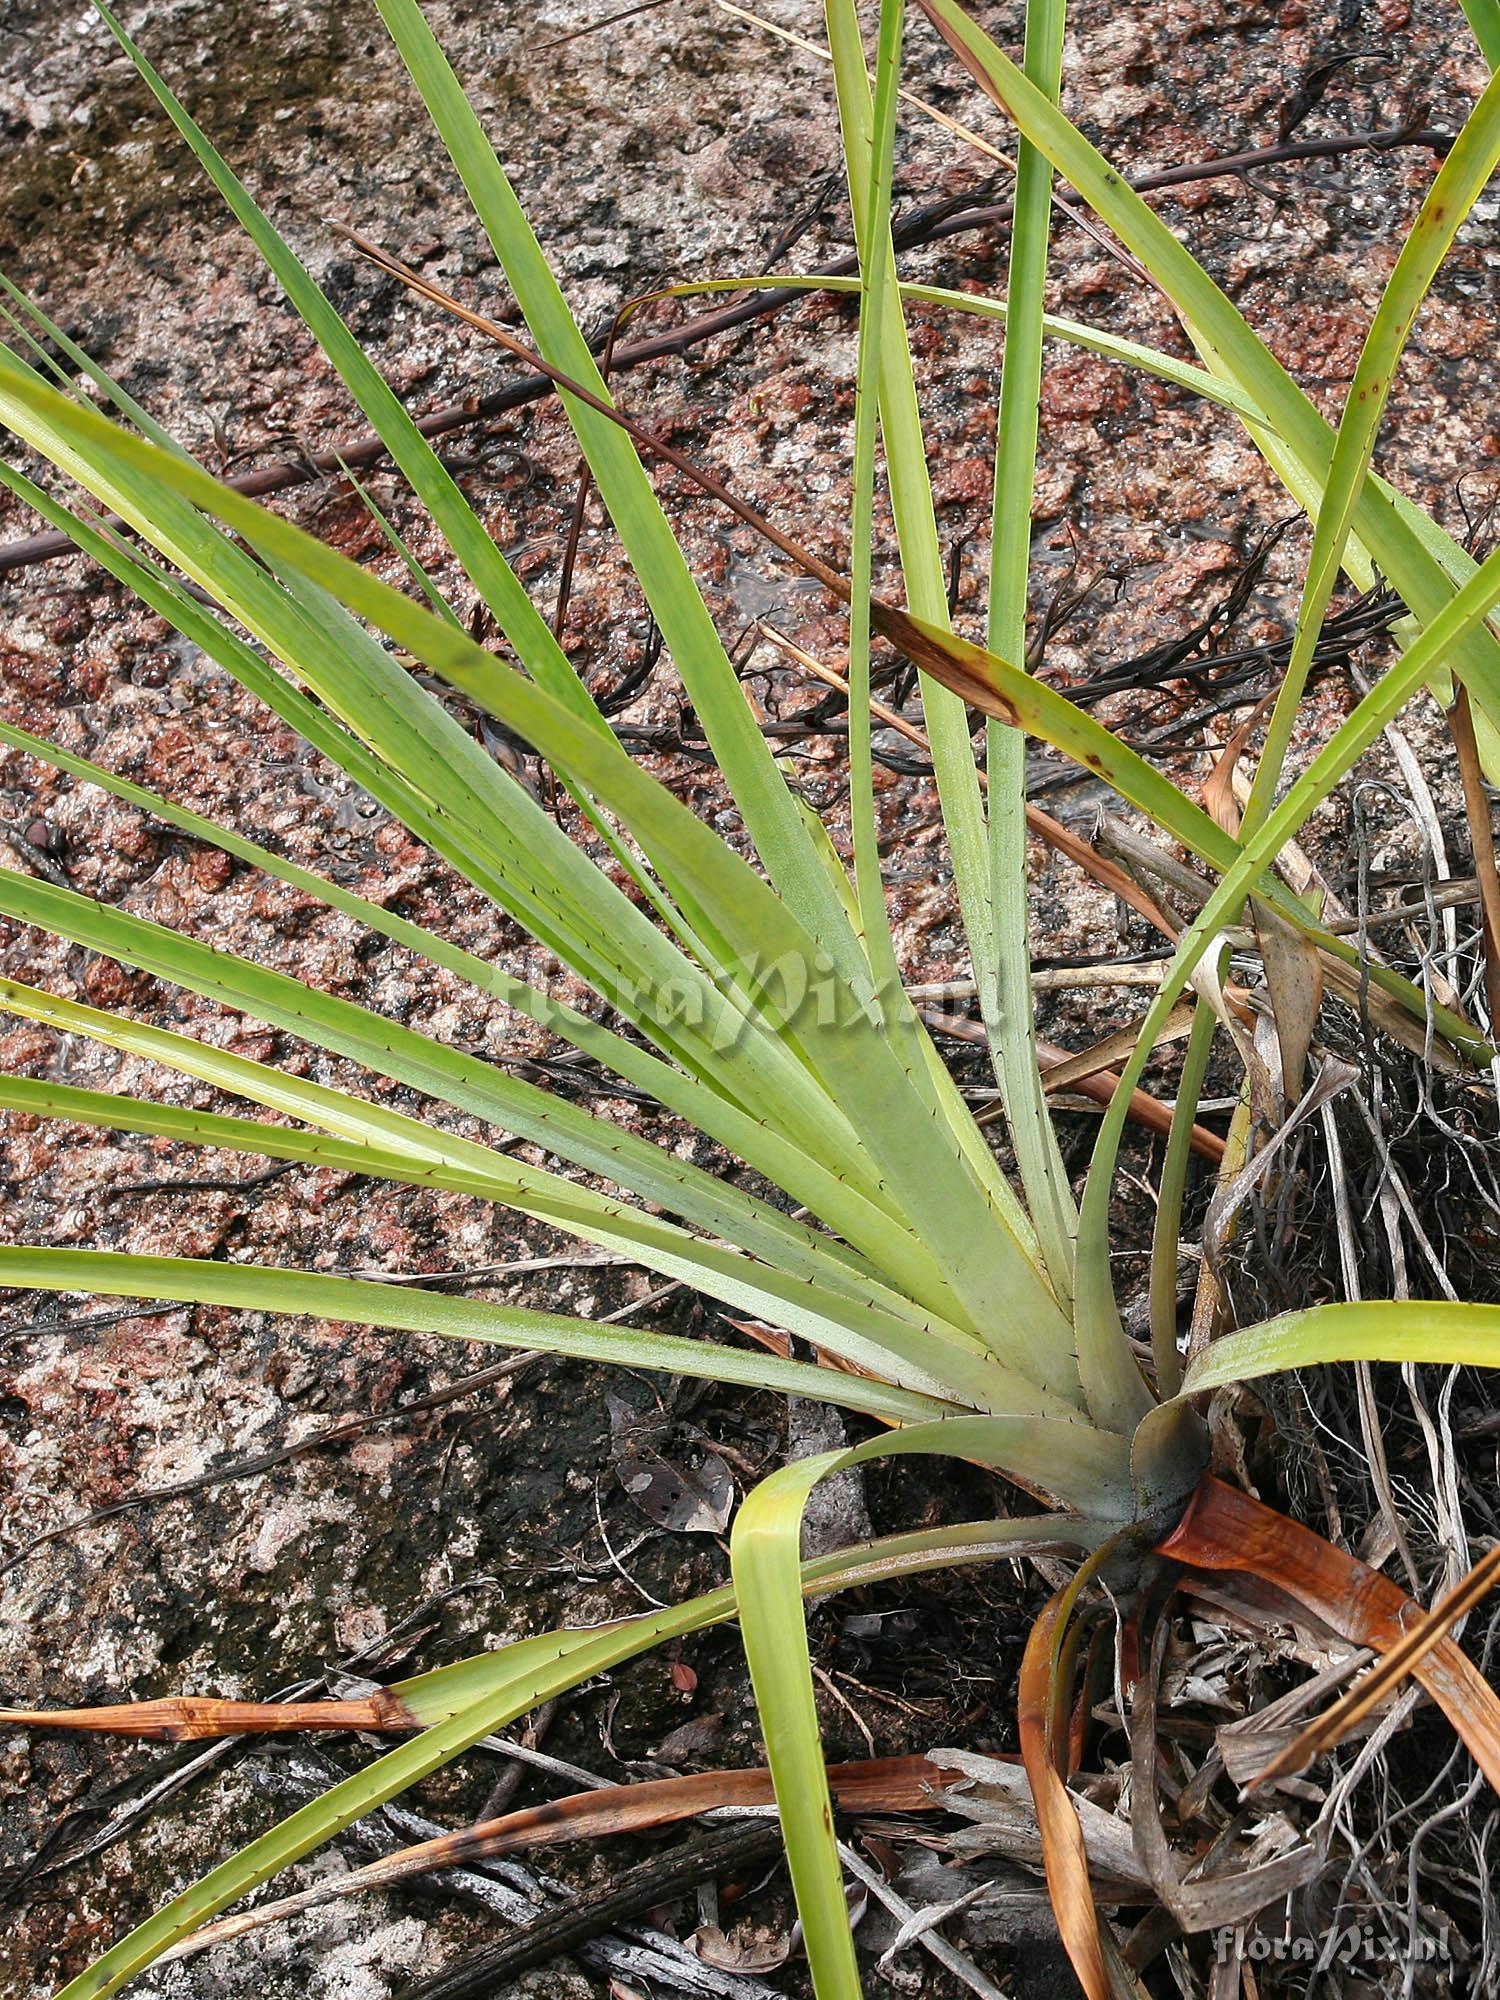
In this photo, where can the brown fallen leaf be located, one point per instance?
(880, 1784)
(1044, 1713)
(1224, 1529)
(1219, 800)
(191, 1718)
(1352, 1709)
(1294, 984)
(757, 1949)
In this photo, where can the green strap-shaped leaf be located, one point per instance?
(411, 451)
(1449, 1332)
(409, 1309)
(875, 259)
(764, 1548)
(1428, 654)
(871, 1329)
(839, 1205)
(551, 886)
(429, 479)
(1095, 339)
(1006, 1000)
(906, 471)
(595, 1144)
(740, 750)
(1047, 713)
(1483, 17)
(566, 683)
(499, 835)
(889, 360)
(487, 568)
(1459, 182)
(832, 1195)
(1166, 1234)
(368, 1139)
(847, 1319)
(473, 1698)
(879, 321)
(442, 1691)
(921, 1164)
(1420, 561)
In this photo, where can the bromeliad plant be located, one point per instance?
(967, 1315)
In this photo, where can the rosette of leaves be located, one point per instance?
(966, 1312)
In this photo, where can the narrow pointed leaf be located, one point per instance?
(410, 1309)
(1445, 1331)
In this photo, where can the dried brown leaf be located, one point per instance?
(1226, 1530)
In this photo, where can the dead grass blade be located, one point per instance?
(1065, 1072)
(881, 1784)
(1101, 1085)
(1108, 874)
(1234, 1892)
(1294, 984)
(598, 27)
(1293, 965)
(644, 439)
(195, 1718)
(1482, 840)
(1218, 787)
